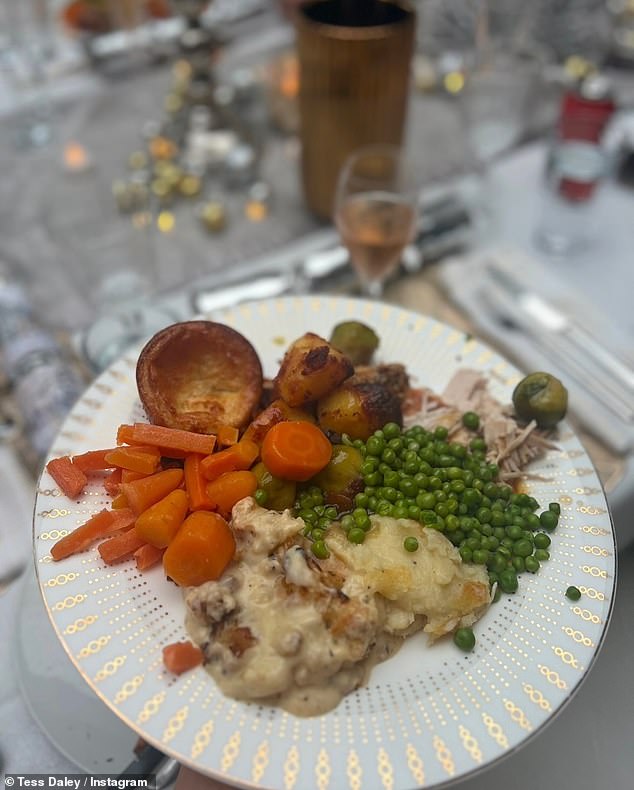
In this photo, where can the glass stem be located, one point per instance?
(372, 289)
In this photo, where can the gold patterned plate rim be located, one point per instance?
(430, 715)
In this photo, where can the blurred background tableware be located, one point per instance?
(375, 212)
(576, 165)
(354, 74)
(26, 45)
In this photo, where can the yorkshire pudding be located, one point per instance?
(198, 376)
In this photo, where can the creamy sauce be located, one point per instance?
(284, 629)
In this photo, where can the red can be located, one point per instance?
(586, 110)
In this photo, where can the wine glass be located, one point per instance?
(375, 213)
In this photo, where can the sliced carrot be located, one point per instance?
(127, 475)
(239, 456)
(295, 450)
(196, 483)
(137, 459)
(227, 435)
(120, 547)
(160, 522)
(181, 657)
(93, 461)
(173, 438)
(230, 488)
(120, 501)
(201, 550)
(112, 482)
(98, 526)
(145, 491)
(124, 434)
(68, 477)
(147, 556)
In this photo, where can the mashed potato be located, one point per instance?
(284, 628)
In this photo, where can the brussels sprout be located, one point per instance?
(341, 479)
(541, 397)
(356, 340)
(280, 494)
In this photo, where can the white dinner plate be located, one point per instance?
(429, 715)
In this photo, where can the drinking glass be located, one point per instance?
(375, 213)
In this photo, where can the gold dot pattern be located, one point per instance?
(430, 713)
(323, 770)
(354, 772)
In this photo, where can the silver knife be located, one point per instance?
(551, 319)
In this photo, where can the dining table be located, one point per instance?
(48, 227)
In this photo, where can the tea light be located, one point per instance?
(165, 221)
(162, 148)
(162, 190)
(76, 159)
(213, 216)
(173, 103)
(257, 206)
(122, 196)
(190, 185)
(138, 160)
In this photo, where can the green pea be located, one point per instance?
(452, 523)
(478, 445)
(308, 516)
(471, 420)
(426, 501)
(480, 556)
(441, 432)
(317, 533)
(532, 521)
(320, 550)
(574, 593)
(543, 555)
(372, 503)
(410, 543)
(522, 548)
(441, 509)
(464, 638)
(360, 516)
(413, 511)
(519, 564)
(375, 446)
(408, 487)
(400, 511)
(347, 522)
(497, 563)
(331, 512)
(323, 522)
(554, 507)
(391, 430)
(356, 535)
(261, 497)
(532, 564)
(508, 581)
(483, 515)
(541, 540)
(384, 508)
(548, 519)
(514, 532)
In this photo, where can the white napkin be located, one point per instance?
(466, 282)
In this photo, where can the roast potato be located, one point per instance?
(358, 409)
(311, 368)
(277, 411)
(198, 376)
